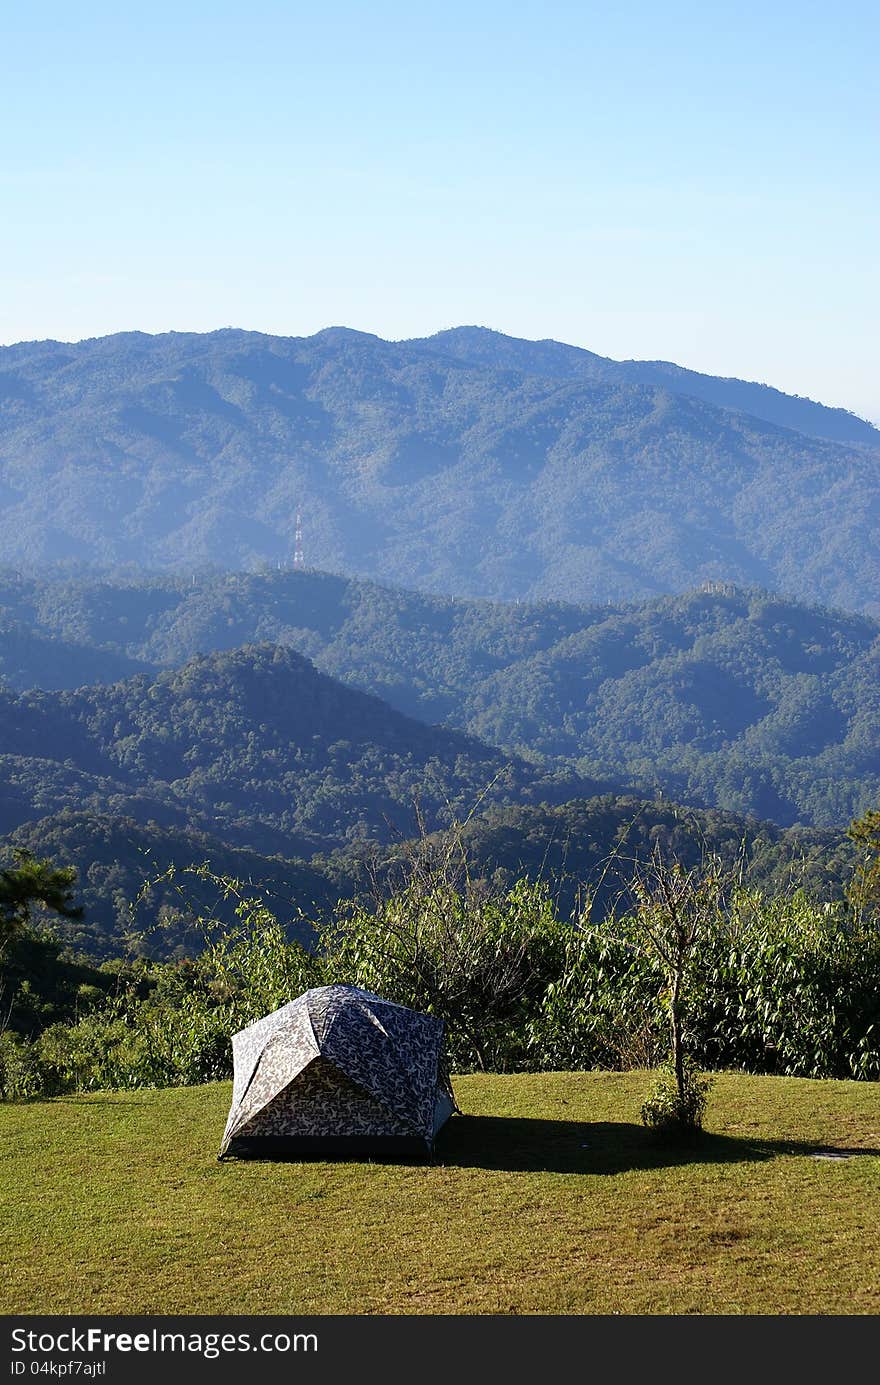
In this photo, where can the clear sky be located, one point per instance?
(692, 182)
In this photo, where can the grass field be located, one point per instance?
(545, 1197)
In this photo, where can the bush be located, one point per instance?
(480, 961)
(673, 1110)
(21, 1076)
(602, 1008)
(789, 987)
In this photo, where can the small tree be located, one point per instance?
(675, 911)
(28, 883)
(31, 881)
(864, 889)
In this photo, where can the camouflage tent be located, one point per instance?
(338, 1071)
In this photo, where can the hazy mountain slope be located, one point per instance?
(419, 468)
(258, 747)
(98, 611)
(29, 659)
(35, 786)
(481, 346)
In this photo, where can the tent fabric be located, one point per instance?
(337, 1067)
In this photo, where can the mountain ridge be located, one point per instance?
(731, 697)
(419, 469)
(840, 424)
(254, 745)
(756, 398)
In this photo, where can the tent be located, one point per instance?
(338, 1071)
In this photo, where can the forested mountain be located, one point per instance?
(31, 659)
(557, 361)
(734, 698)
(470, 463)
(586, 849)
(140, 890)
(255, 746)
(290, 726)
(141, 893)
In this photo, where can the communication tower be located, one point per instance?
(298, 560)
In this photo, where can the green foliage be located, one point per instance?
(781, 986)
(482, 962)
(33, 883)
(603, 1007)
(674, 1109)
(778, 986)
(864, 891)
(39, 982)
(792, 988)
(141, 889)
(21, 1074)
(729, 976)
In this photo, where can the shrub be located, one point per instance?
(21, 1076)
(602, 1008)
(677, 1104)
(790, 987)
(480, 961)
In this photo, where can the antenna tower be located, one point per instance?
(298, 561)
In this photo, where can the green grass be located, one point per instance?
(546, 1197)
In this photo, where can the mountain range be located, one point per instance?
(467, 463)
(304, 782)
(650, 587)
(253, 745)
(730, 698)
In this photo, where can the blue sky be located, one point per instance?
(690, 182)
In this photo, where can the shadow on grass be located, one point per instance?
(558, 1146)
